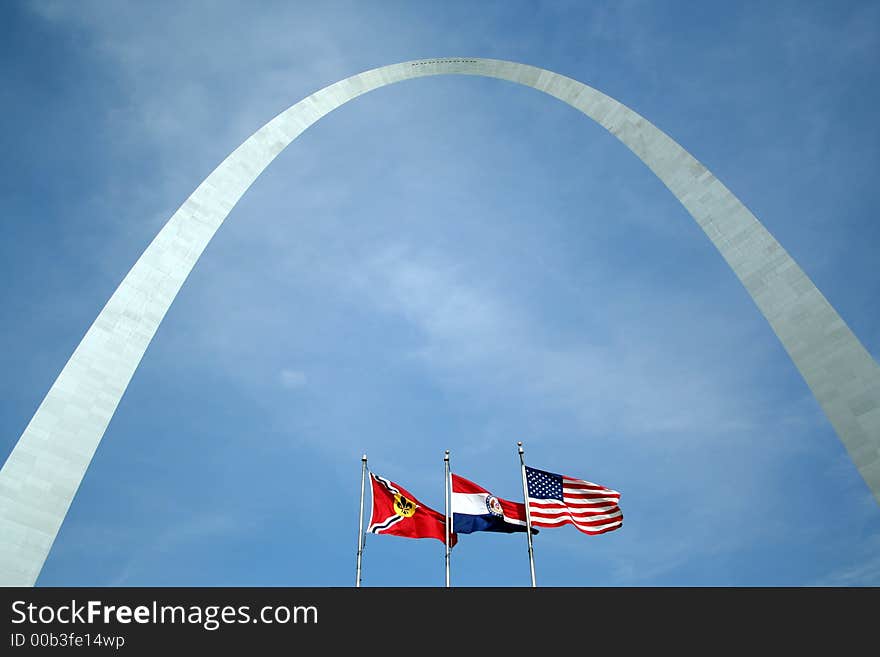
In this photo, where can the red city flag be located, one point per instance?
(397, 512)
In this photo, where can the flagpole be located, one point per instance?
(357, 581)
(446, 501)
(522, 467)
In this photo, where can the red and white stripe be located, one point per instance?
(592, 508)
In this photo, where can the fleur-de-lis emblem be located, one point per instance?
(403, 507)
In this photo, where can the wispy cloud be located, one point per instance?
(863, 570)
(292, 378)
(476, 335)
(192, 531)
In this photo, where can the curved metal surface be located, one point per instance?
(44, 470)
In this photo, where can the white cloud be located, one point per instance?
(475, 335)
(292, 378)
(861, 571)
(196, 530)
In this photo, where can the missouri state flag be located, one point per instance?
(397, 512)
(474, 509)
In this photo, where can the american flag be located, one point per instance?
(556, 500)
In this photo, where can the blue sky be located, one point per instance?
(448, 263)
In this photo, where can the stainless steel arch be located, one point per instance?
(44, 470)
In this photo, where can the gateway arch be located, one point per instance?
(44, 470)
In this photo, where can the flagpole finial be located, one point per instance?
(446, 455)
(519, 444)
(364, 458)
